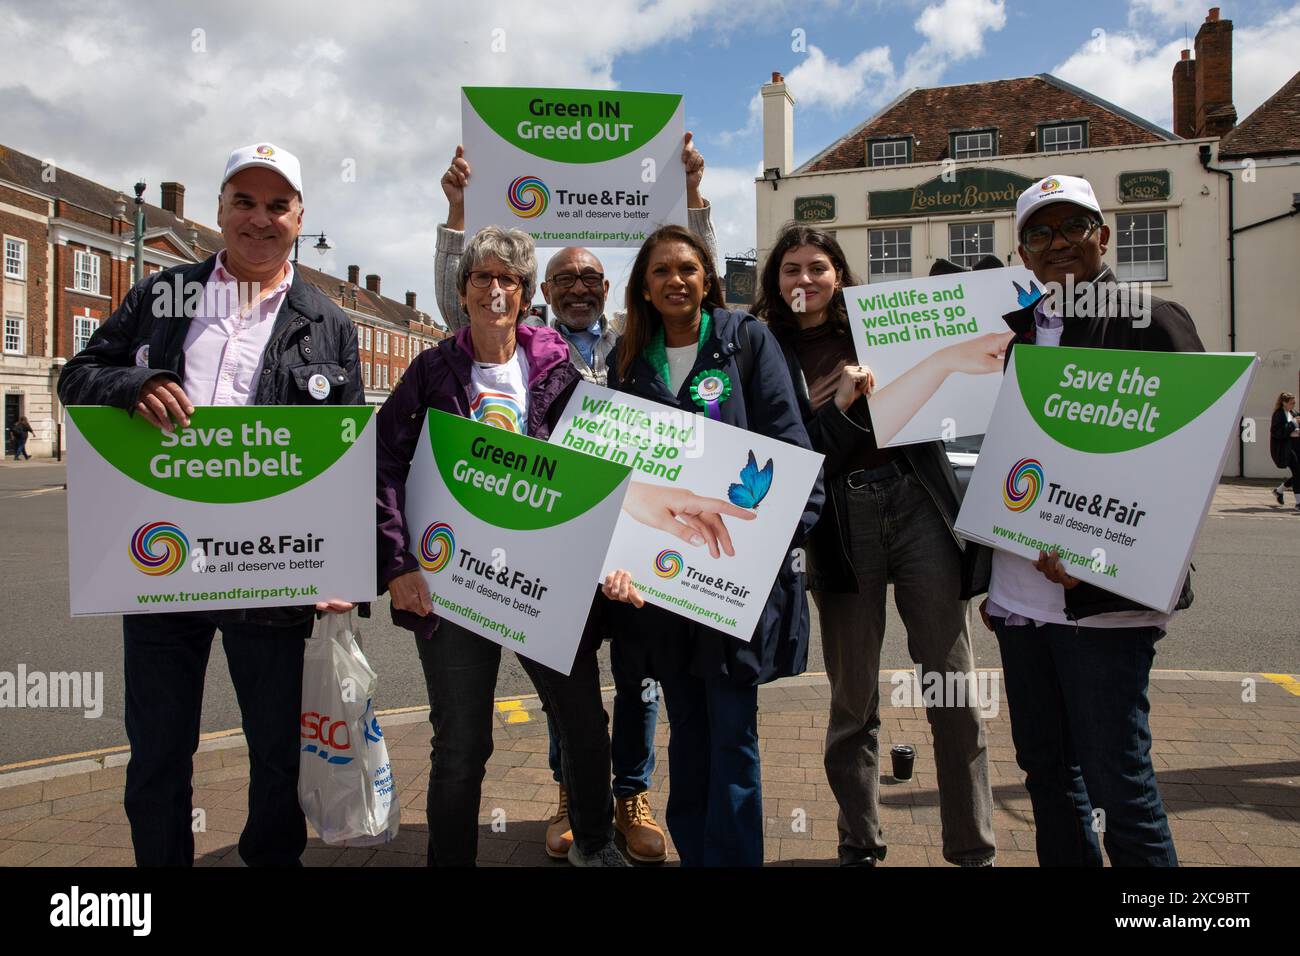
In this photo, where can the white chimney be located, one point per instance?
(778, 125)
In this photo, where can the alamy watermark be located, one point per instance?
(78, 690)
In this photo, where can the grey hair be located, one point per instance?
(514, 248)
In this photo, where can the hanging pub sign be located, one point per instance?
(970, 190)
(1151, 184)
(742, 278)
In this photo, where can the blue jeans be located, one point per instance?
(1079, 720)
(166, 658)
(632, 739)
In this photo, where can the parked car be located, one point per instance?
(963, 453)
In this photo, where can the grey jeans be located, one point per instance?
(896, 533)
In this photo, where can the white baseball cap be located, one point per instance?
(269, 155)
(1071, 189)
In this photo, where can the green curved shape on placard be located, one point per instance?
(581, 481)
(317, 439)
(1190, 382)
(505, 108)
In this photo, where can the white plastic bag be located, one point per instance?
(345, 780)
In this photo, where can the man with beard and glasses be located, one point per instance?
(575, 289)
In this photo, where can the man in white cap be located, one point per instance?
(245, 329)
(1076, 658)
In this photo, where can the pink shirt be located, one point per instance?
(224, 344)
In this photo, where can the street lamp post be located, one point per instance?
(139, 230)
(322, 244)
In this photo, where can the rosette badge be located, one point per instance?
(437, 545)
(1024, 482)
(159, 548)
(528, 197)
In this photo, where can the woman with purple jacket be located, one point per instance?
(515, 376)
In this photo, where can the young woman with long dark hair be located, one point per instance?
(888, 518)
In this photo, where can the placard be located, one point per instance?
(250, 506)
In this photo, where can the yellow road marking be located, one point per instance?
(518, 717)
(1286, 681)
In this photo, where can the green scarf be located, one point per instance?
(656, 353)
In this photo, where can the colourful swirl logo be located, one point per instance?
(437, 545)
(265, 150)
(528, 197)
(668, 564)
(1048, 185)
(159, 548)
(1024, 482)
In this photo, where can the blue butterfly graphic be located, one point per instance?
(1027, 296)
(754, 484)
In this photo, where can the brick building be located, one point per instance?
(936, 173)
(69, 257)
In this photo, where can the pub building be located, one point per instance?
(935, 175)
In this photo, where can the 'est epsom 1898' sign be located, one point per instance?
(1144, 186)
(971, 190)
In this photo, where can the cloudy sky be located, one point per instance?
(118, 90)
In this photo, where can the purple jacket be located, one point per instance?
(439, 378)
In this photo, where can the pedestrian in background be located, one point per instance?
(1284, 445)
(21, 431)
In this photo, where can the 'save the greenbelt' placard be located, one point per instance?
(711, 509)
(1110, 456)
(248, 507)
(573, 167)
(511, 532)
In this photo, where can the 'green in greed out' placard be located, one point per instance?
(1110, 457)
(510, 533)
(573, 167)
(249, 506)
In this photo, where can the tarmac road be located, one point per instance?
(1244, 619)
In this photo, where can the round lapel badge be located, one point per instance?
(318, 386)
(142, 355)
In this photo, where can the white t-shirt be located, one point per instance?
(498, 394)
(1018, 587)
(680, 362)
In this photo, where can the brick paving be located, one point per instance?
(1229, 771)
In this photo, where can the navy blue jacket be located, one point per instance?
(767, 406)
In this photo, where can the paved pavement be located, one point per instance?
(1228, 767)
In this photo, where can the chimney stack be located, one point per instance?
(410, 300)
(372, 283)
(778, 125)
(173, 199)
(354, 275)
(1185, 96)
(1215, 114)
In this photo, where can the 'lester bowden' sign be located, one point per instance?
(969, 190)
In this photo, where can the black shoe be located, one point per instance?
(1278, 495)
(858, 858)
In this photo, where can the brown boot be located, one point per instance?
(636, 821)
(559, 837)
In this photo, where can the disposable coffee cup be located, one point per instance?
(904, 756)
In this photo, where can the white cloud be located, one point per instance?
(114, 91)
(821, 82)
(953, 30)
(1135, 71)
(1170, 13)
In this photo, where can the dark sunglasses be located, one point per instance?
(1074, 230)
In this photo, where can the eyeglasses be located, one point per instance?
(567, 280)
(483, 280)
(1074, 230)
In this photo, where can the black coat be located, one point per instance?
(1169, 329)
(1281, 438)
(311, 336)
(836, 435)
(767, 405)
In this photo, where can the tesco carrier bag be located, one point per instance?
(345, 780)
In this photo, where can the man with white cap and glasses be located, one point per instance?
(245, 329)
(1076, 658)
